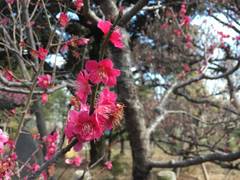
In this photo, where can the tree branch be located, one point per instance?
(109, 9)
(54, 158)
(37, 92)
(133, 11)
(88, 13)
(196, 160)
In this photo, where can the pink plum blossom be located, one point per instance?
(63, 19)
(76, 161)
(3, 139)
(83, 126)
(78, 4)
(42, 53)
(83, 86)
(44, 98)
(43, 81)
(102, 71)
(108, 165)
(106, 105)
(115, 37)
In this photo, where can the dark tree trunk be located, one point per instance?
(97, 151)
(40, 122)
(134, 114)
(109, 149)
(122, 145)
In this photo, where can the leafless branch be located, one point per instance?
(58, 154)
(88, 13)
(133, 11)
(196, 160)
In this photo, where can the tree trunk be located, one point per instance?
(122, 145)
(97, 151)
(134, 114)
(40, 122)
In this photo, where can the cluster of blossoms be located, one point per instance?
(76, 161)
(8, 160)
(183, 21)
(41, 53)
(51, 144)
(86, 125)
(115, 37)
(74, 42)
(44, 81)
(88, 121)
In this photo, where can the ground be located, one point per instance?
(122, 169)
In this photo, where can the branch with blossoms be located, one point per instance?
(94, 107)
(89, 118)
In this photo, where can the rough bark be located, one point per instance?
(134, 114)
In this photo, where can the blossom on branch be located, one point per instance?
(76, 161)
(108, 111)
(78, 4)
(115, 37)
(3, 140)
(42, 53)
(102, 71)
(43, 81)
(44, 98)
(108, 165)
(83, 86)
(51, 144)
(63, 19)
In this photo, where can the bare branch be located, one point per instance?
(88, 13)
(196, 160)
(58, 154)
(225, 24)
(133, 11)
(109, 9)
(35, 92)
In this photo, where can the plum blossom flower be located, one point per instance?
(3, 139)
(8, 165)
(43, 81)
(83, 126)
(83, 41)
(8, 75)
(83, 86)
(87, 127)
(51, 144)
(35, 167)
(76, 161)
(115, 37)
(78, 4)
(44, 98)
(63, 19)
(102, 71)
(42, 53)
(74, 42)
(107, 111)
(108, 165)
